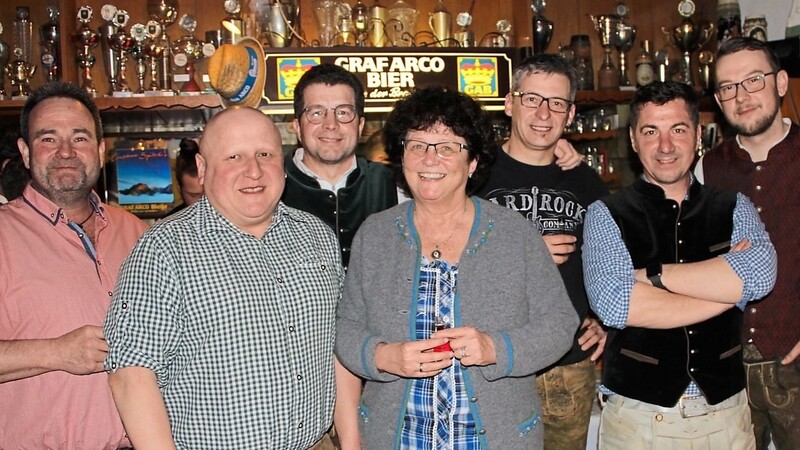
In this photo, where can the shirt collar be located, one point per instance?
(340, 183)
(216, 221)
(50, 211)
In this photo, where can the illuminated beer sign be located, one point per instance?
(391, 74)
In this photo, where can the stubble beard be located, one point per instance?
(66, 189)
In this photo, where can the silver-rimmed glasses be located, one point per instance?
(343, 113)
(443, 150)
(534, 100)
(751, 85)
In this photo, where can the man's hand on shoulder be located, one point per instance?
(566, 156)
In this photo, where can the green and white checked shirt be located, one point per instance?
(239, 331)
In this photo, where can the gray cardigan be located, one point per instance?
(508, 287)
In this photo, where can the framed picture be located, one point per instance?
(139, 177)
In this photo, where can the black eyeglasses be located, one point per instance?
(443, 150)
(752, 84)
(343, 113)
(534, 100)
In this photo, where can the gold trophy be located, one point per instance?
(440, 23)
(86, 39)
(606, 26)
(688, 37)
(165, 12)
(121, 43)
(154, 50)
(360, 18)
(377, 25)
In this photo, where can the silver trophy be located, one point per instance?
(50, 43)
(3, 62)
(465, 36)
(165, 12)
(232, 24)
(110, 56)
(137, 51)
(86, 39)
(21, 69)
(542, 27)
(623, 42)
(276, 19)
(186, 51)
(121, 42)
(360, 18)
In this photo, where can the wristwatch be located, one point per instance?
(654, 275)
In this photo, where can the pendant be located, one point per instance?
(436, 254)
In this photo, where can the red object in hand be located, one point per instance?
(439, 325)
(443, 348)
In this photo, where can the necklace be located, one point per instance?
(86, 219)
(436, 253)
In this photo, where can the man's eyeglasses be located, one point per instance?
(753, 84)
(534, 100)
(443, 150)
(343, 113)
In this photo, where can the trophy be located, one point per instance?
(110, 56)
(360, 18)
(187, 50)
(329, 15)
(377, 25)
(276, 19)
(137, 51)
(606, 26)
(165, 12)
(503, 37)
(50, 41)
(154, 49)
(542, 27)
(402, 24)
(233, 24)
(688, 37)
(344, 23)
(706, 58)
(86, 39)
(440, 23)
(3, 62)
(465, 36)
(623, 41)
(21, 69)
(121, 43)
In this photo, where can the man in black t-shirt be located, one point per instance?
(526, 178)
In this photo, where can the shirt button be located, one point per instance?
(674, 206)
(473, 399)
(280, 280)
(752, 330)
(110, 293)
(680, 260)
(691, 331)
(291, 328)
(659, 417)
(693, 351)
(482, 431)
(323, 267)
(113, 365)
(299, 377)
(758, 187)
(124, 305)
(80, 235)
(753, 310)
(300, 425)
(758, 168)
(692, 369)
(758, 208)
(680, 241)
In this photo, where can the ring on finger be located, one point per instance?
(420, 367)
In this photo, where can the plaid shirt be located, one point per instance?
(438, 415)
(239, 331)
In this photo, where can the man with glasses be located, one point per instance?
(761, 162)
(526, 178)
(325, 178)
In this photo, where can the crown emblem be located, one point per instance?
(291, 73)
(478, 73)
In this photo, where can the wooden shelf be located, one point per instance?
(131, 103)
(591, 136)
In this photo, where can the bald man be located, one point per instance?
(221, 328)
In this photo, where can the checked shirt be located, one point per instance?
(239, 331)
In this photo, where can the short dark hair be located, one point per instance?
(549, 64)
(462, 114)
(185, 162)
(662, 92)
(739, 44)
(64, 90)
(329, 75)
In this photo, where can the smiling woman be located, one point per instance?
(448, 254)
